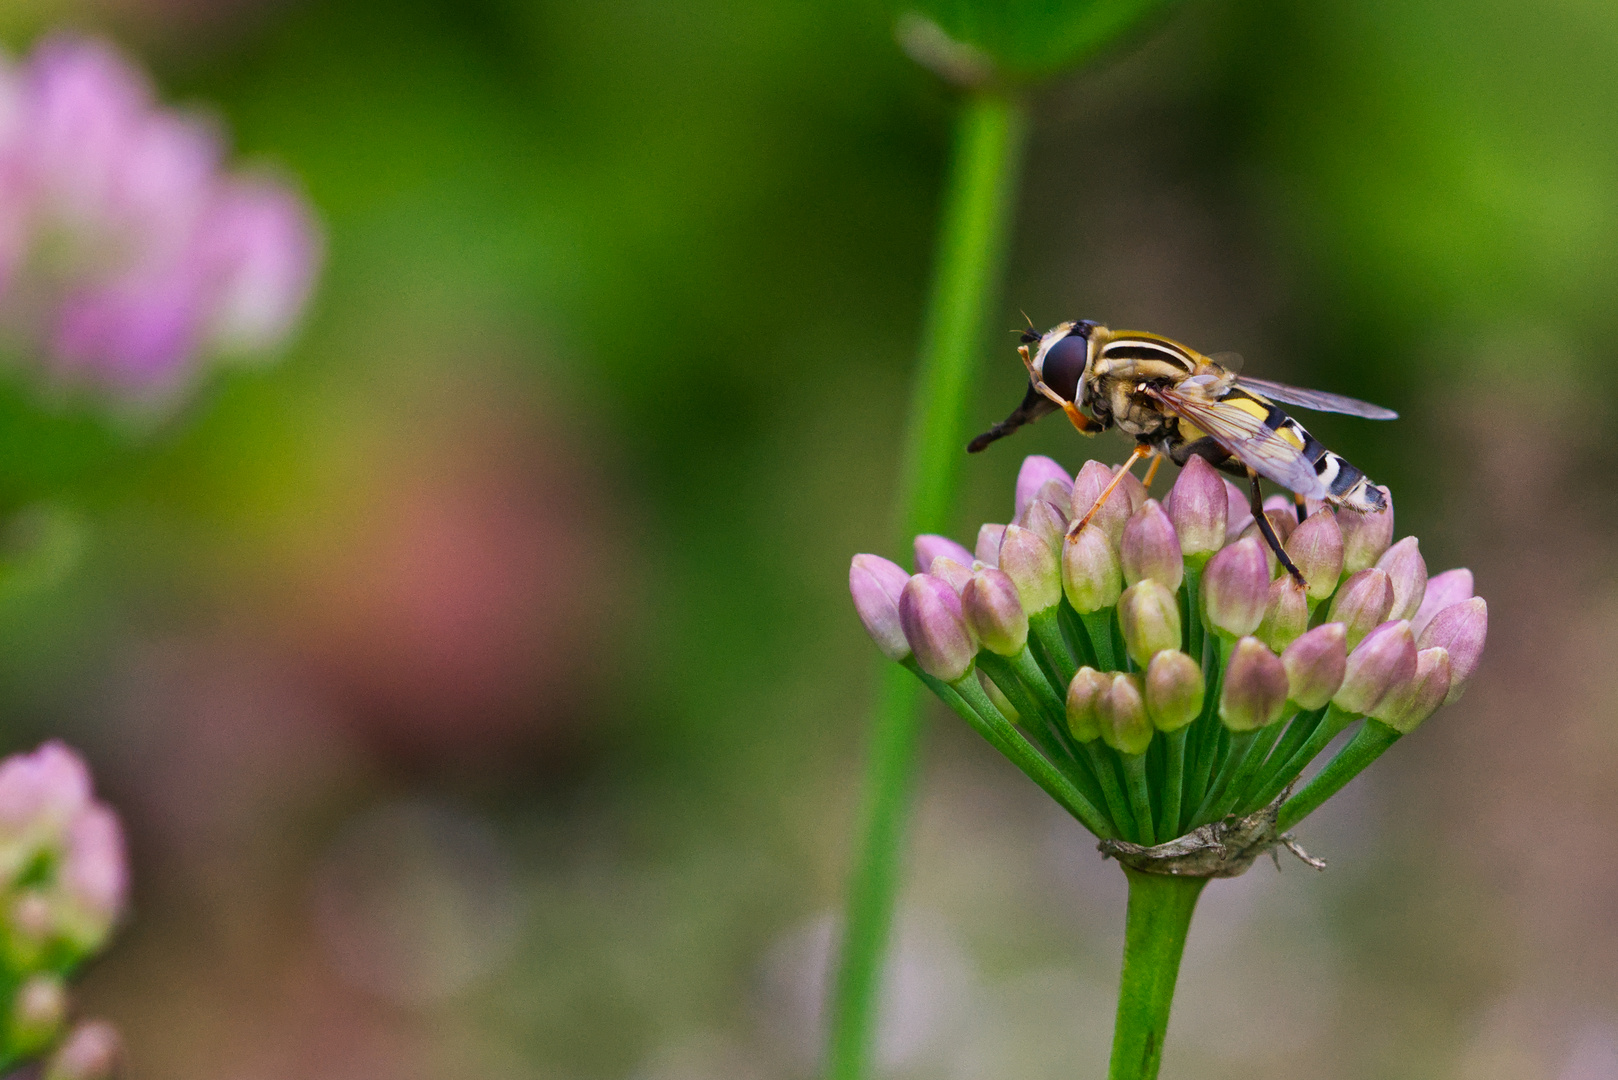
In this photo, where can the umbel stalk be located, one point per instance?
(1160, 908)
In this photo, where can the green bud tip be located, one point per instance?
(1149, 616)
(1150, 548)
(1384, 659)
(1124, 724)
(994, 612)
(1316, 547)
(1315, 664)
(1460, 629)
(951, 571)
(1254, 691)
(1410, 702)
(1033, 564)
(1091, 576)
(1362, 603)
(1037, 471)
(1083, 719)
(1236, 588)
(1366, 536)
(1198, 508)
(1174, 690)
(930, 614)
(1286, 615)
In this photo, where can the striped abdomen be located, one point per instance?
(1343, 484)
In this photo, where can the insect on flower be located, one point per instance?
(1177, 403)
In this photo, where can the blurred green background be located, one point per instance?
(479, 682)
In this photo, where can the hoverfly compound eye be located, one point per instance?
(1064, 365)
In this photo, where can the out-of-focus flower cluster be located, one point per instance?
(128, 254)
(1156, 670)
(63, 884)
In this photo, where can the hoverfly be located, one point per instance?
(1176, 402)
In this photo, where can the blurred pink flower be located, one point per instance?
(127, 254)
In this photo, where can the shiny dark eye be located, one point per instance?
(1064, 365)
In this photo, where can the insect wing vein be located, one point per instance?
(1318, 400)
(1249, 440)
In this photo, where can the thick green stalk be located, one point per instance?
(971, 248)
(1160, 909)
(1365, 747)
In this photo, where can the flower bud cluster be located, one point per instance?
(63, 882)
(127, 252)
(1167, 630)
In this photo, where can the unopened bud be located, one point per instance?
(1409, 703)
(1174, 690)
(1124, 724)
(1362, 604)
(1087, 487)
(1286, 615)
(875, 584)
(1033, 565)
(957, 574)
(1083, 717)
(1150, 549)
(994, 612)
(1239, 514)
(1199, 508)
(1045, 519)
(930, 546)
(1407, 571)
(1315, 665)
(1091, 577)
(987, 551)
(1236, 588)
(1149, 616)
(94, 878)
(930, 612)
(1316, 548)
(1366, 536)
(1450, 587)
(1254, 691)
(1384, 659)
(1460, 629)
(1037, 471)
(91, 1052)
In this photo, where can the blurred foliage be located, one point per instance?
(1032, 38)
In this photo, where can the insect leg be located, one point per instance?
(1151, 469)
(1117, 478)
(1256, 501)
(1298, 502)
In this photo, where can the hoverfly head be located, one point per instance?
(1064, 357)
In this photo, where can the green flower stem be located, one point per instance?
(1332, 724)
(1173, 779)
(1102, 761)
(1074, 632)
(1047, 630)
(994, 727)
(1191, 614)
(1160, 908)
(971, 247)
(1298, 732)
(1208, 730)
(1240, 745)
(1098, 627)
(1365, 747)
(1243, 771)
(1032, 699)
(1140, 797)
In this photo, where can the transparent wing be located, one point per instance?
(1318, 400)
(1249, 440)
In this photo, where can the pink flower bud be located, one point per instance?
(1199, 508)
(951, 571)
(1236, 588)
(987, 551)
(1150, 549)
(1033, 565)
(930, 612)
(875, 584)
(1091, 577)
(91, 1052)
(1460, 629)
(1407, 571)
(1122, 711)
(1450, 587)
(94, 878)
(1149, 616)
(1366, 536)
(1384, 659)
(1408, 703)
(1037, 471)
(1088, 486)
(1238, 515)
(1282, 523)
(1315, 665)
(1316, 547)
(1045, 519)
(1174, 690)
(1286, 615)
(1083, 719)
(994, 612)
(1362, 604)
(930, 546)
(1254, 691)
